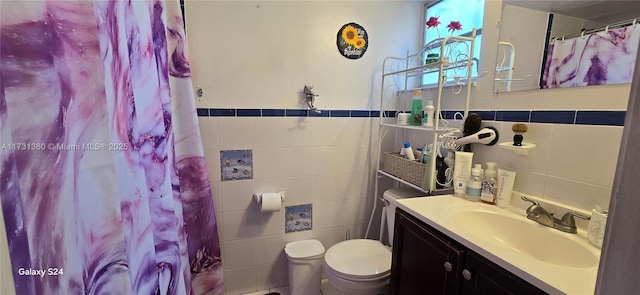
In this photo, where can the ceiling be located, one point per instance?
(605, 11)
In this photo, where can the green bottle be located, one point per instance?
(416, 109)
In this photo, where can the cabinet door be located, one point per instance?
(419, 258)
(483, 277)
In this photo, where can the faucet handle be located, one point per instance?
(569, 221)
(534, 205)
(567, 218)
(529, 200)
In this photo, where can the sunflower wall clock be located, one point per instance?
(353, 41)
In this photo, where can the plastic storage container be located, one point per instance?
(305, 266)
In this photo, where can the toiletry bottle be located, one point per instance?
(426, 154)
(416, 109)
(441, 172)
(450, 162)
(428, 114)
(428, 175)
(462, 173)
(474, 185)
(505, 182)
(409, 151)
(488, 193)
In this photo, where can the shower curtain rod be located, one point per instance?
(629, 22)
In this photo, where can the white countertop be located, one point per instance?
(438, 211)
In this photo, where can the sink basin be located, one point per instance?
(527, 237)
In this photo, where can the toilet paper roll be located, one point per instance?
(271, 202)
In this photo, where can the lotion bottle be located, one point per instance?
(409, 151)
(488, 193)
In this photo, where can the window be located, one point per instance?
(470, 14)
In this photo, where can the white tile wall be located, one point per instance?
(272, 275)
(321, 161)
(240, 281)
(571, 164)
(327, 162)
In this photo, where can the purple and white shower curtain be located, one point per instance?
(601, 58)
(103, 181)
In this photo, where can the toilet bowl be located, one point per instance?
(362, 266)
(358, 266)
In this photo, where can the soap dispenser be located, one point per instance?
(488, 193)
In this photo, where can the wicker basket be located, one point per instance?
(403, 168)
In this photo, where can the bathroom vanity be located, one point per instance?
(446, 245)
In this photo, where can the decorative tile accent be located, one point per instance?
(340, 113)
(273, 112)
(249, 113)
(296, 113)
(486, 115)
(323, 113)
(586, 117)
(222, 112)
(236, 165)
(513, 116)
(298, 218)
(558, 117)
(202, 112)
(359, 114)
(615, 118)
(390, 114)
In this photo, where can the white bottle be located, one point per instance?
(488, 193)
(428, 114)
(474, 185)
(409, 151)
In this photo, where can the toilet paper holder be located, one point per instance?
(258, 197)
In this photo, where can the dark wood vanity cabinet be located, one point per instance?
(419, 258)
(426, 261)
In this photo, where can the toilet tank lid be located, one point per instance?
(304, 248)
(401, 193)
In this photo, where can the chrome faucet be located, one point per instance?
(540, 215)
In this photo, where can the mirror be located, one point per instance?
(529, 31)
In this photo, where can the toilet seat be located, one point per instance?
(359, 260)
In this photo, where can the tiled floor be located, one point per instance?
(326, 290)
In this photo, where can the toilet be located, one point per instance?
(363, 266)
(305, 266)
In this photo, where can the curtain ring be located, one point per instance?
(635, 22)
(582, 34)
(562, 38)
(606, 29)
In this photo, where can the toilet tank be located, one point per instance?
(393, 194)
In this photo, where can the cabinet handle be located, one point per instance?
(447, 266)
(466, 274)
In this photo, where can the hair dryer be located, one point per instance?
(487, 136)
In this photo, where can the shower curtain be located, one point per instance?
(601, 58)
(103, 181)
